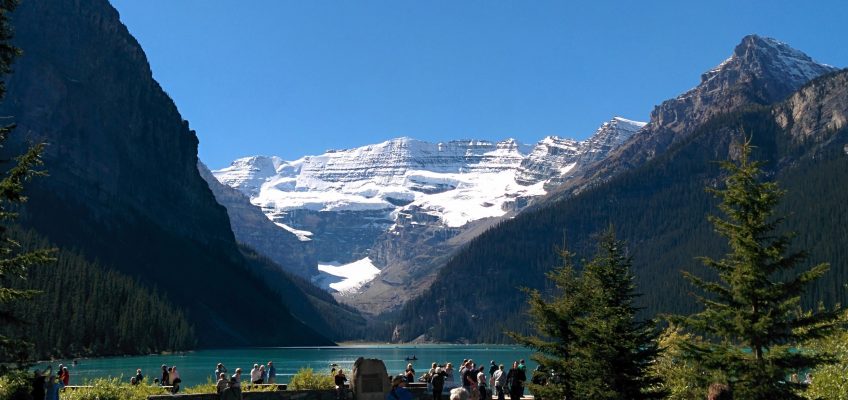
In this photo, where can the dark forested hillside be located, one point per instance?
(86, 309)
(123, 185)
(660, 210)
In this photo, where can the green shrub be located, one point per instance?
(16, 385)
(112, 389)
(307, 379)
(829, 381)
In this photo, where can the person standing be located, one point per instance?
(471, 380)
(54, 385)
(437, 381)
(465, 377)
(450, 382)
(429, 376)
(481, 383)
(174, 378)
(492, 368)
(38, 384)
(410, 373)
(138, 376)
(255, 375)
(66, 376)
(272, 372)
(60, 372)
(499, 379)
(340, 379)
(509, 378)
(165, 381)
(516, 378)
(263, 375)
(237, 377)
(462, 368)
(219, 369)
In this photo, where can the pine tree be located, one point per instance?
(554, 320)
(594, 345)
(13, 261)
(751, 318)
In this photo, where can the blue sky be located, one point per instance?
(293, 78)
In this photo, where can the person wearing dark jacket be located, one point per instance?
(516, 378)
(166, 376)
(340, 379)
(438, 382)
(39, 385)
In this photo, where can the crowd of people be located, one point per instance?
(477, 382)
(47, 385)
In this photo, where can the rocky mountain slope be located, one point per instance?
(382, 216)
(761, 70)
(124, 187)
(659, 206)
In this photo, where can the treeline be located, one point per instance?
(659, 209)
(87, 309)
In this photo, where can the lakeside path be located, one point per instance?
(196, 367)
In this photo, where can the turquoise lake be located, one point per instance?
(197, 366)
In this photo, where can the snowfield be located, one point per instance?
(346, 278)
(456, 182)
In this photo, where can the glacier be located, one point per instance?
(348, 200)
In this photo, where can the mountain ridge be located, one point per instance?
(760, 70)
(396, 206)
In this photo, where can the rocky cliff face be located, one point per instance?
(124, 186)
(249, 224)
(816, 110)
(760, 71)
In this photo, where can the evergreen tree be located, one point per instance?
(751, 317)
(13, 261)
(554, 320)
(594, 344)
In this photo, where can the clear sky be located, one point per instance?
(294, 78)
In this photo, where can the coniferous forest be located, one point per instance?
(83, 308)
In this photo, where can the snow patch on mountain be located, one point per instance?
(303, 236)
(345, 278)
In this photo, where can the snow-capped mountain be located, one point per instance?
(554, 157)
(760, 71)
(385, 177)
(348, 201)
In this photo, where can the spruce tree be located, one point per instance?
(751, 317)
(592, 340)
(554, 320)
(13, 261)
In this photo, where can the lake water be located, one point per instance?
(197, 366)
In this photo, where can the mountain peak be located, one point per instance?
(760, 57)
